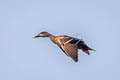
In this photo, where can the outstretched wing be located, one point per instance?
(69, 49)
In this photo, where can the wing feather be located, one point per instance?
(70, 49)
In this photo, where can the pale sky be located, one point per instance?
(97, 22)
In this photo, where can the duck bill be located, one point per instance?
(36, 36)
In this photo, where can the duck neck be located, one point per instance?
(52, 37)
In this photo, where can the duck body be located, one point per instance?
(69, 45)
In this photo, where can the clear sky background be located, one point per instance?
(97, 22)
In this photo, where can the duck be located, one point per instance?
(69, 45)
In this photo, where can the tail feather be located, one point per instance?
(84, 47)
(86, 51)
(91, 49)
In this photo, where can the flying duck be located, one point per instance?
(69, 45)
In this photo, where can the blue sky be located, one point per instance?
(25, 58)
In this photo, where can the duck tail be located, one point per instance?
(86, 51)
(91, 49)
(84, 47)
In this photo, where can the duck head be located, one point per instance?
(42, 34)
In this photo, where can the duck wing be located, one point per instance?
(71, 50)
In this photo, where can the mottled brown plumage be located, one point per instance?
(69, 45)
